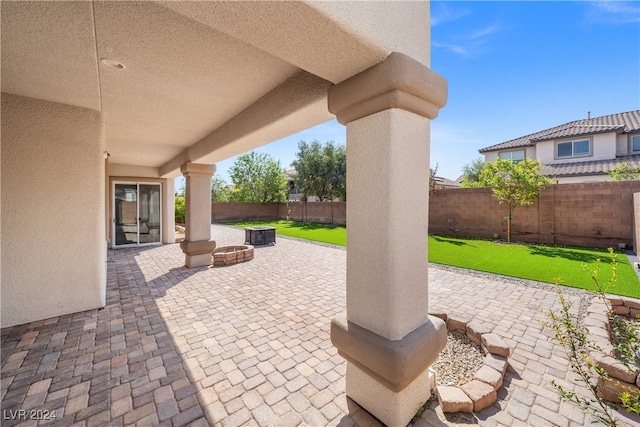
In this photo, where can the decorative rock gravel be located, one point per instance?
(459, 360)
(489, 373)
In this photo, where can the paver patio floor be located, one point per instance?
(249, 345)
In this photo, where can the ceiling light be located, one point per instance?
(113, 63)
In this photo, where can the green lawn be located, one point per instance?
(334, 234)
(543, 263)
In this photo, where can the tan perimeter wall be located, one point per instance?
(53, 210)
(322, 212)
(599, 214)
(587, 214)
(636, 223)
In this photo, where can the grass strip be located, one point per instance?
(542, 263)
(334, 234)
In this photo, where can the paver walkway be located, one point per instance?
(249, 345)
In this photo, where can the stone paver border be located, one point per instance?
(620, 377)
(482, 391)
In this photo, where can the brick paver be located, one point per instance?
(249, 345)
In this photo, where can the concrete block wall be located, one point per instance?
(223, 212)
(323, 212)
(597, 214)
(586, 214)
(636, 223)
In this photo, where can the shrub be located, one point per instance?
(179, 209)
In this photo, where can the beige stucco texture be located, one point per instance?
(198, 246)
(386, 261)
(52, 194)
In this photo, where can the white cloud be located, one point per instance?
(483, 32)
(614, 12)
(442, 13)
(453, 48)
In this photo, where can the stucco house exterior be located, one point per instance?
(105, 103)
(579, 151)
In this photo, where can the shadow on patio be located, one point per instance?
(233, 345)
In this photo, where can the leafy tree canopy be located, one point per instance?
(219, 190)
(471, 172)
(258, 178)
(516, 184)
(625, 172)
(321, 170)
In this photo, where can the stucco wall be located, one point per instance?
(622, 144)
(53, 205)
(603, 147)
(579, 179)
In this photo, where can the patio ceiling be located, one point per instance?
(202, 80)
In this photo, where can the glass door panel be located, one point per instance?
(126, 214)
(136, 216)
(149, 213)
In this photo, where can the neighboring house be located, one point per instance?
(579, 151)
(447, 183)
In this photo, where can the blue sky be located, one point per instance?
(514, 68)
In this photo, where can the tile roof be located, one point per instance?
(593, 167)
(620, 122)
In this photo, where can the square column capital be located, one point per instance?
(195, 169)
(397, 82)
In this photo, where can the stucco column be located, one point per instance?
(197, 244)
(387, 336)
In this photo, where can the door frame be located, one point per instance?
(113, 213)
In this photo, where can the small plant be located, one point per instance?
(572, 335)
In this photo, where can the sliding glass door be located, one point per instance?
(136, 216)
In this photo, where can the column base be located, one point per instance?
(395, 409)
(390, 379)
(192, 261)
(198, 254)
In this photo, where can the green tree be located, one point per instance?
(516, 184)
(471, 172)
(625, 172)
(258, 178)
(179, 209)
(321, 170)
(219, 190)
(338, 179)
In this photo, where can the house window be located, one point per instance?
(635, 144)
(515, 156)
(578, 148)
